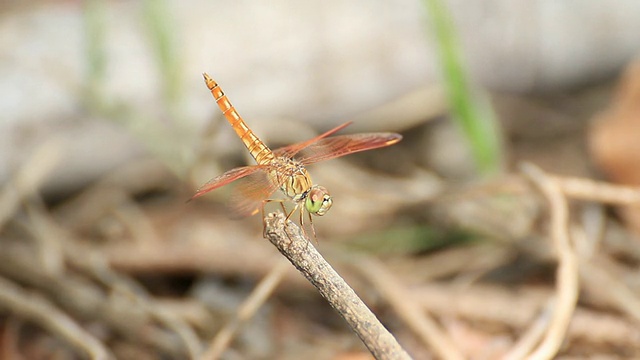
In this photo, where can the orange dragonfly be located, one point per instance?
(279, 170)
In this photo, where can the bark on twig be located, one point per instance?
(290, 241)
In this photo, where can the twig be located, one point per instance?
(531, 337)
(53, 239)
(586, 189)
(408, 309)
(290, 241)
(84, 299)
(246, 311)
(494, 304)
(46, 314)
(567, 273)
(616, 294)
(30, 176)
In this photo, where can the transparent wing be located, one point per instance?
(247, 197)
(291, 150)
(337, 146)
(227, 177)
(252, 187)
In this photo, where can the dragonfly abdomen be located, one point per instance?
(258, 149)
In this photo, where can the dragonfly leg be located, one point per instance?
(313, 229)
(304, 228)
(264, 223)
(295, 208)
(292, 211)
(264, 203)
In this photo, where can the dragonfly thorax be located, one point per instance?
(294, 178)
(295, 182)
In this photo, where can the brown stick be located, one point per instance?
(290, 241)
(40, 310)
(567, 273)
(247, 309)
(408, 309)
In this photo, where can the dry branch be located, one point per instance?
(567, 284)
(43, 312)
(247, 309)
(408, 309)
(84, 299)
(29, 177)
(290, 241)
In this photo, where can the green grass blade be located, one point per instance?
(470, 110)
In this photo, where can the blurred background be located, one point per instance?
(107, 129)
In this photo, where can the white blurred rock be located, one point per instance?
(318, 62)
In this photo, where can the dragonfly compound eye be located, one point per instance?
(318, 201)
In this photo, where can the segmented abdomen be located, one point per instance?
(256, 147)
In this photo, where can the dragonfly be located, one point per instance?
(284, 168)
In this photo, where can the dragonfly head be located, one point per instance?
(318, 201)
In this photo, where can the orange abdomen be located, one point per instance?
(256, 147)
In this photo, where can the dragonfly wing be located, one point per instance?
(227, 177)
(333, 147)
(291, 150)
(248, 197)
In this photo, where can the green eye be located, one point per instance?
(313, 206)
(318, 201)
